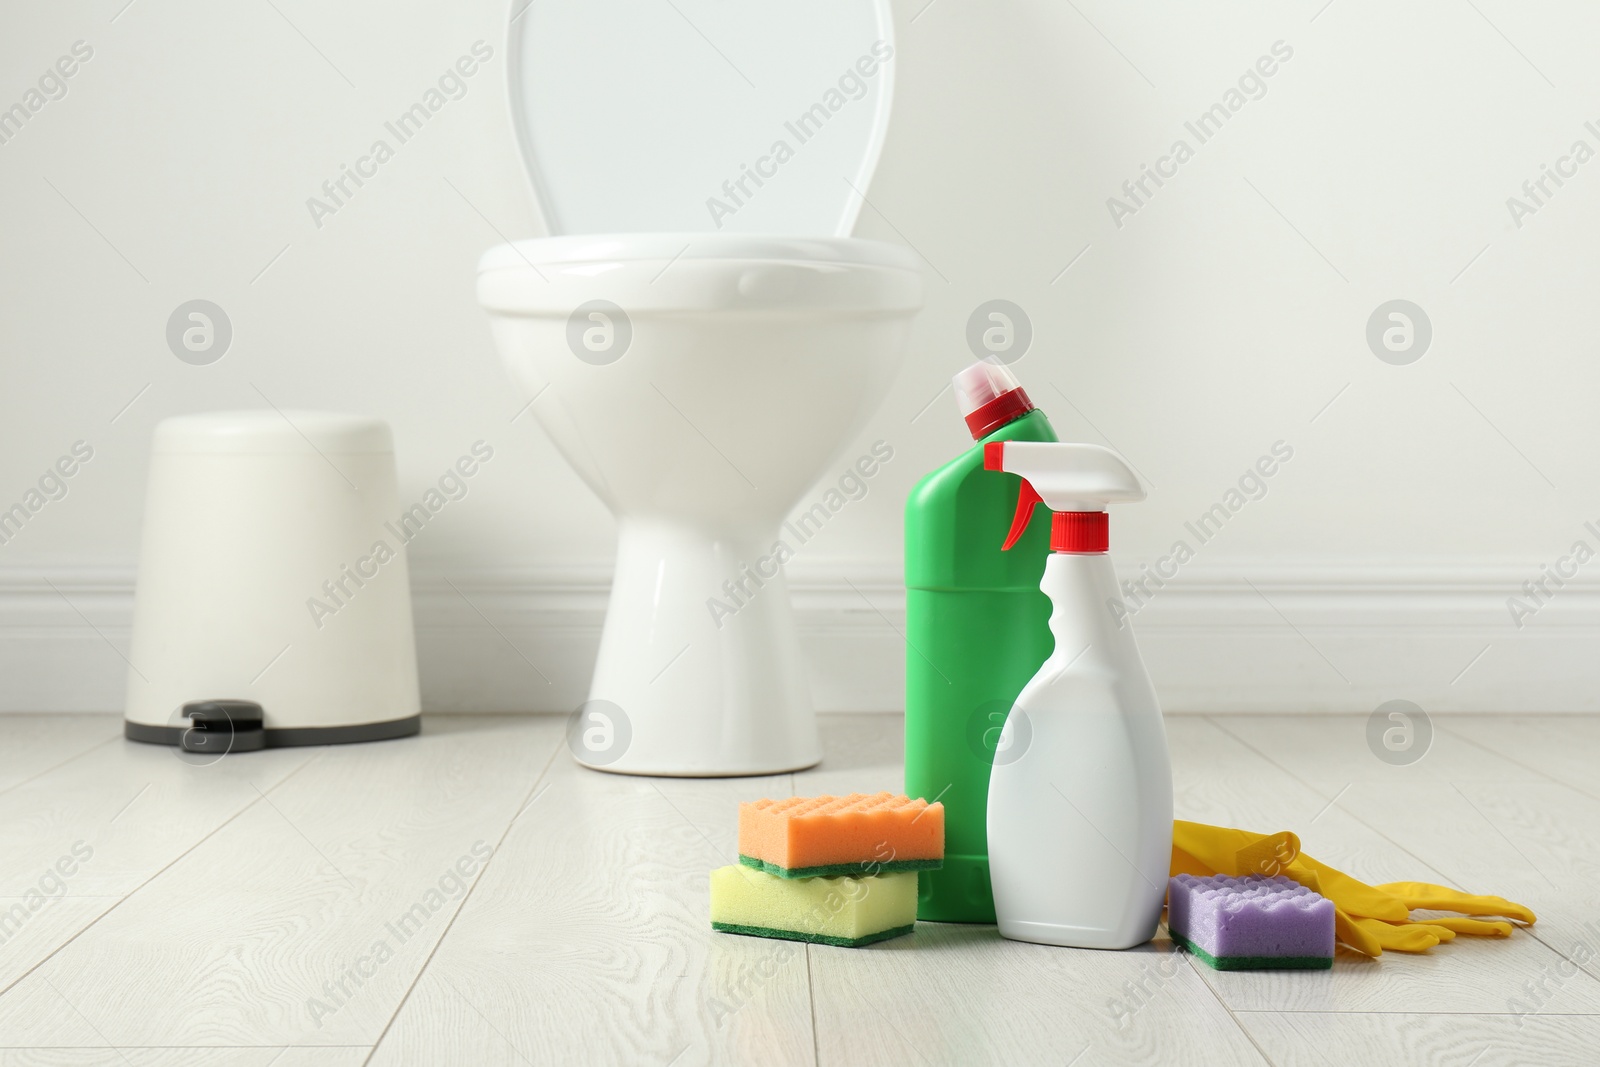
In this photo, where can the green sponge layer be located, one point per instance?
(846, 870)
(1254, 963)
(815, 939)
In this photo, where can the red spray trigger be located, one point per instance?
(1019, 522)
(994, 460)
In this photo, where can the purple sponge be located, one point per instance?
(1251, 923)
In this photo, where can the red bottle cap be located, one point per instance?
(1080, 531)
(989, 396)
(996, 413)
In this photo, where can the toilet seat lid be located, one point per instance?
(723, 116)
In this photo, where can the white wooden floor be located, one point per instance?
(217, 903)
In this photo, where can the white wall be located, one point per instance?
(1223, 316)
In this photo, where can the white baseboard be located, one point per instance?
(1324, 638)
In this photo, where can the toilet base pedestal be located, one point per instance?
(700, 672)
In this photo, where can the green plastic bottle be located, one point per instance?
(977, 629)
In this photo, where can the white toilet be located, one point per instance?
(705, 356)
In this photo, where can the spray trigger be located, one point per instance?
(1026, 499)
(994, 453)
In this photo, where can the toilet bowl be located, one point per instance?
(699, 372)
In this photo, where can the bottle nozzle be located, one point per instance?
(989, 396)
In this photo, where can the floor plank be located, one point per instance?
(1331, 752)
(36, 744)
(251, 937)
(588, 940)
(264, 1056)
(129, 808)
(81, 835)
(1560, 747)
(1319, 1040)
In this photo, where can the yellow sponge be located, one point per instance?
(828, 911)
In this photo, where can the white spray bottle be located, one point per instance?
(1080, 800)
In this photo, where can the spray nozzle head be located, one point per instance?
(1075, 481)
(989, 396)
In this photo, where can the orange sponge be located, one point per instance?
(856, 835)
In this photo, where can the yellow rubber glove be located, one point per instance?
(1442, 898)
(1402, 936)
(1476, 927)
(1367, 918)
